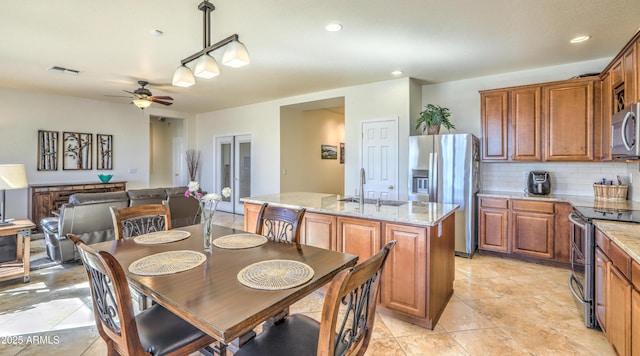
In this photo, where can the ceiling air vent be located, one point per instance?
(64, 70)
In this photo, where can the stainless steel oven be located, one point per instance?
(582, 278)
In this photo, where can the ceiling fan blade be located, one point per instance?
(162, 97)
(118, 96)
(130, 92)
(161, 102)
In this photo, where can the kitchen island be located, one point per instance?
(417, 281)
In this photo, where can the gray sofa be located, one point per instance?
(87, 215)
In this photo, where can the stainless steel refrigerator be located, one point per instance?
(446, 169)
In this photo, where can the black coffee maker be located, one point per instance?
(539, 183)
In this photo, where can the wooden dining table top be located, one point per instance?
(210, 296)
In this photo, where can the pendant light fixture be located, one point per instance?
(235, 54)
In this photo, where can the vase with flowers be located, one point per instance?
(208, 204)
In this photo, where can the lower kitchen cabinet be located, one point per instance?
(358, 237)
(404, 284)
(635, 321)
(601, 272)
(493, 225)
(251, 212)
(619, 311)
(533, 228)
(319, 230)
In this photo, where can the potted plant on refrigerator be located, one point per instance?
(432, 118)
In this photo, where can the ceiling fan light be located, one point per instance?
(235, 55)
(142, 103)
(183, 77)
(206, 67)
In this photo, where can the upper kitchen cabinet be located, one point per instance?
(569, 109)
(539, 122)
(511, 124)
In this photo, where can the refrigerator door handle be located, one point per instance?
(430, 178)
(434, 181)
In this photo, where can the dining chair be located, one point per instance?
(141, 219)
(353, 294)
(154, 331)
(280, 224)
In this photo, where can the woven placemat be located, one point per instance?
(238, 241)
(161, 237)
(167, 263)
(275, 274)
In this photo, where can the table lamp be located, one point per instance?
(12, 176)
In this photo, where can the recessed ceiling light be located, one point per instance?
(580, 39)
(333, 27)
(396, 72)
(155, 33)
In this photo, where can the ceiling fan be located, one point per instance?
(142, 96)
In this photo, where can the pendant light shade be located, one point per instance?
(206, 67)
(142, 103)
(183, 77)
(235, 55)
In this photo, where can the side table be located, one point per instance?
(19, 267)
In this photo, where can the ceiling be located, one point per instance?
(109, 42)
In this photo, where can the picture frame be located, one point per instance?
(104, 152)
(328, 152)
(47, 150)
(76, 151)
(341, 152)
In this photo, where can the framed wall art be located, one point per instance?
(342, 152)
(47, 150)
(76, 150)
(104, 151)
(329, 152)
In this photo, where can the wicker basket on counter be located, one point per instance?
(610, 192)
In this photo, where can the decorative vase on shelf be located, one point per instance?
(431, 130)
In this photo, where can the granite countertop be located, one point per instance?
(575, 200)
(418, 213)
(625, 235)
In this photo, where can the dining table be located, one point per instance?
(211, 296)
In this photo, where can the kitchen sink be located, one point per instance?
(374, 201)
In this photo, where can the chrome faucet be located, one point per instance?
(363, 181)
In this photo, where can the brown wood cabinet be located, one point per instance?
(493, 223)
(251, 212)
(495, 124)
(629, 67)
(533, 228)
(601, 272)
(617, 292)
(568, 120)
(525, 139)
(358, 237)
(525, 227)
(319, 230)
(45, 199)
(602, 127)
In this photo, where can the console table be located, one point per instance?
(44, 199)
(19, 267)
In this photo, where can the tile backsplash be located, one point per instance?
(569, 178)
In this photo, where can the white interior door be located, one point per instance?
(179, 169)
(233, 169)
(380, 158)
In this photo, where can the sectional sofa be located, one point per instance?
(87, 215)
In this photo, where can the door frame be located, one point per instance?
(234, 206)
(395, 120)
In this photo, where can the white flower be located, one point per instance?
(211, 197)
(193, 186)
(226, 192)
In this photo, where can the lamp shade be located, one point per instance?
(13, 176)
(206, 67)
(183, 77)
(235, 55)
(142, 103)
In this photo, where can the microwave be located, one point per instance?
(625, 133)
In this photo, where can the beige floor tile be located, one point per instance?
(475, 342)
(434, 345)
(459, 316)
(387, 346)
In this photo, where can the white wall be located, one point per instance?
(262, 121)
(23, 113)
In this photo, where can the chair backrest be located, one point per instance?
(141, 219)
(356, 289)
(280, 224)
(112, 307)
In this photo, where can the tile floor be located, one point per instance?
(499, 307)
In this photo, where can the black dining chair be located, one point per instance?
(280, 224)
(352, 293)
(154, 331)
